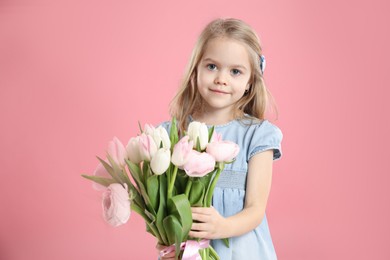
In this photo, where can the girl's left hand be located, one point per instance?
(210, 224)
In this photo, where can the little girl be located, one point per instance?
(224, 86)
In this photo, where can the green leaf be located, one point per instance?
(135, 195)
(214, 176)
(150, 216)
(118, 172)
(150, 227)
(149, 230)
(152, 188)
(181, 181)
(180, 207)
(211, 131)
(198, 145)
(213, 253)
(100, 180)
(226, 242)
(109, 169)
(135, 173)
(197, 193)
(146, 171)
(173, 133)
(162, 209)
(174, 232)
(140, 128)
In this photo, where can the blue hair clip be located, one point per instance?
(262, 63)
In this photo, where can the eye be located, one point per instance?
(236, 72)
(211, 66)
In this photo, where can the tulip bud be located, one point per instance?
(160, 161)
(133, 150)
(181, 151)
(159, 134)
(147, 147)
(117, 151)
(223, 151)
(199, 164)
(149, 129)
(198, 130)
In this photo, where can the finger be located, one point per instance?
(199, 226)
(167, 258)
(200, 217)
(169, 255)
(160, 247)
(198, 234)
(201, 210)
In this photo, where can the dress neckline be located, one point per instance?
(216, 126)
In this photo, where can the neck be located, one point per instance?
(217, 117)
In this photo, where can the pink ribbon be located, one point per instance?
(191, 249)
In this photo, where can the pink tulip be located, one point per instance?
(116, 205)
(117, 151)
(199, 164)
(147, 147)
(181, 150)
(100, 171)
(223, 151)
(217, 137)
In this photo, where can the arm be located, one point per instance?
(213, 226)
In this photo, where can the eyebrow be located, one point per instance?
(233, 66)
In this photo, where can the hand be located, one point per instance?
(210, 224)
(169, 256)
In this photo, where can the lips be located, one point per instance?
(218, 91)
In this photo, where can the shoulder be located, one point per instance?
(265, 127)
(264, 135)
(165, 124)
(255, 125)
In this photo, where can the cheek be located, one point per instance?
(202, 80)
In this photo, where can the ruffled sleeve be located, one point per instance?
(266, 136)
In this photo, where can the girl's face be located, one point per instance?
(223, 74)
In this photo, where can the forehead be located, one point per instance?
(227, 51)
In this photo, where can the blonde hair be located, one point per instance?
(188, 100)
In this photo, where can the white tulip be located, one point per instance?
(133, 150)
(159, 134)
(160, 161)
(197, 129)
(149, 129)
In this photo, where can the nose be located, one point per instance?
(221, 78)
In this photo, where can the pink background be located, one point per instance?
(75, 74)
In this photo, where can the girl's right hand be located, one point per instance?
(169, 256)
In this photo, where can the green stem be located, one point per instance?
(188, 187)
(209, 195)
(213, 253)
(203, 254)
(137, 209)
(171, 182)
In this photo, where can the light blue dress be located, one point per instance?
(253, 136)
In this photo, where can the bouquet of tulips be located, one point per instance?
(161, 177)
